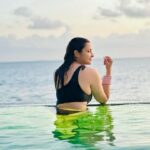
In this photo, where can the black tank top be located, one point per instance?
(71, 92)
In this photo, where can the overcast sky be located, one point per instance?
(41, 30)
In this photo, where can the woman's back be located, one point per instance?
(80, 83)
(75, 86)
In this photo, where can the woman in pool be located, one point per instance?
(75, 82)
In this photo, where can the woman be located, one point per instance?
(75, 83)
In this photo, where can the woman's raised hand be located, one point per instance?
(108, 64)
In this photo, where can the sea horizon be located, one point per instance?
(54, 60)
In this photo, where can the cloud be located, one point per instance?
(138, 9)
(23, 11)
(38, 22)
(33, 48)
(128, 8)
(108, 12)
(44, 23)
(52, 48)
(144, 1)
(128, 45)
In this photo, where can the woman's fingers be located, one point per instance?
(108, 59)
(105, 61)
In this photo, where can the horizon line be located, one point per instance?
(53, 60)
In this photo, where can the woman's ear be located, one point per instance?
(76, 53)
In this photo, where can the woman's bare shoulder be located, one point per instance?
(90, 71)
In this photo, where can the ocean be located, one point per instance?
(27, 122)
(26, 83)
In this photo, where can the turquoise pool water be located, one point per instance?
(102, 127)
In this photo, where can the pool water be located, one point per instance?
(102, 127)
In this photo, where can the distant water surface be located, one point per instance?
(32, 82)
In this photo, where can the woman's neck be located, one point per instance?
(75, 63)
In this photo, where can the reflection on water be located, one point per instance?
(86, 128)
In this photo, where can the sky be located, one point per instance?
(33, 30)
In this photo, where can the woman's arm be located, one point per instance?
(106, 84)
(101, 87)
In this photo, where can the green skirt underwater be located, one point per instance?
(85, 128)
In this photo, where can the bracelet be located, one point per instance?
(106, 80)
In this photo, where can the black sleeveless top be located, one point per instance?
(71, 92)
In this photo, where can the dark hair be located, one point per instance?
(78, 44)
